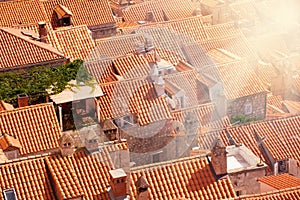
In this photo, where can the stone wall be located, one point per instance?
(257, 102)
(245, 182)
(102, 31)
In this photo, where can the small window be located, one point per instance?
(66, 21)
(238, 193)
(248, 109)
(10, 194)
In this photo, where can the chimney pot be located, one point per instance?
(22, 100)
(43, 32)
(118, 182)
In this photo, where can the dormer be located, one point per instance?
(11, 146)
(64, 15)
(142, 186)
(91, 141)
(109, 129)
(66, 144)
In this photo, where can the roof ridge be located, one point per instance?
(291, 189)
(38, 44)
(165, 163)
(27, 158)
(27, 107)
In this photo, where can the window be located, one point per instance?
(248, 109)
(10, 194)
(66, 21)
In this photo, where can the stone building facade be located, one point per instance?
(253, 106)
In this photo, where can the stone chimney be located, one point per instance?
(157, 80)
(22, 100)
(149, 44)
(91, 141)
(66, 144)
(139, 47)
(219, 157)
(150, 17)
(142, 186)
(118, 184)
(43, 32)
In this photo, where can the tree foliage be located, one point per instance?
(35, 81)
(243, 119)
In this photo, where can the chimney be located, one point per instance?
(118, 184)
(150, 17)
(22, 100)
(43, 32)
(91, 141)
(66, 144)
(219, 157)
(142, 186)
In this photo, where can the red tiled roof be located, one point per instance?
(36, 127)
(275, 101)
(85, 12)
(132, 66)
(189, 178)
(266, 72)
(117, 46)
(132, 96)
(282, 136)
(7, 141)
(238, 79)
(291, 106)
(162, 10)
(290, 194)
(76, 42)
(64, 177)
(29, 179)
(73, 176)
(101, 70)
(18, 50)
(5, 106)
(187, 81)
(21, 13)
(281, 181)
(237, 45)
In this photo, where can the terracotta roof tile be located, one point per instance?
(187, 81)
(5, 106)
(291, 106)
(64, 176)
(117, 46)
(189, 178)
(238, 79)
(36, 127)
(101, 70)
(7, 141)
(276, 101)
(90, 13)
(19, 50)
(282, 136)
(76, 42)
(266, 72)
(132, 66)
(290, 194)
(29, 179)
(78, 175)
(281, 181)
(132, 96)
(21, 13)
(162, 10)
(237, 45)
